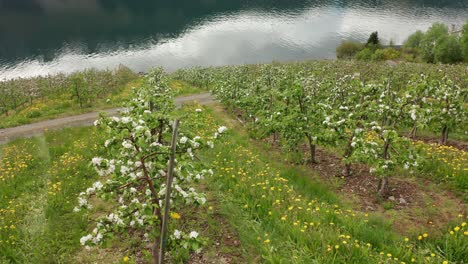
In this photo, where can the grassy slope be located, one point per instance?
(260, 208)
(64, 106)
(273, 206)
(38, 198)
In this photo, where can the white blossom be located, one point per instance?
(126, 144)
(126, 120)
(183, 140)
(222, 129)
(85, 239)
(193, 234)
(177, 234)
(107, 143)
(96, 161)
(210, 144)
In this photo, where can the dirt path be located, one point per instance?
(8, 134)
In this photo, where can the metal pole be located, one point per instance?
(167, 199)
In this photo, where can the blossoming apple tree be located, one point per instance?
(135, 171)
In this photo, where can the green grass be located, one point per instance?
(446, 165)
(182, 88)
(38, 198)
(278, 212)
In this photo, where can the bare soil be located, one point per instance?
(417, 202)
(411, 202)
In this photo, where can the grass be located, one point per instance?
(446, 164)
(64, 105)
(40, 179)
(289, 218)
(455, 136)
(182, 88)
(260, 208)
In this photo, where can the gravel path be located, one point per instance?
(87, 119)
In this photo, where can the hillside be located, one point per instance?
(310, 162)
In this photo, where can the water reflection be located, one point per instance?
(48, 36)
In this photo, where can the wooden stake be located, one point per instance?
(167, 199)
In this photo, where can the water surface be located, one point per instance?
(40, 37)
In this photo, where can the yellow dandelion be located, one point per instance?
(175, 215)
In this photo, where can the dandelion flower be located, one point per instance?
(175, 215)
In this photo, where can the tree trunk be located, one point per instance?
(346, 172)
(444, 135)
(275, 138)
(312, 149)
(383, 183)
(161, 128)
(155, 250)
(383, 186)
(414, 130)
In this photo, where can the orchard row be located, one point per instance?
(83, 87)
(360, 108)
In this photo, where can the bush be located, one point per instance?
(428, 43)
(348, 49)
(391, 54)
(448, 50)
(413, 42)
(410, 57)
(365, 54)
(385, 54)
(378, 55)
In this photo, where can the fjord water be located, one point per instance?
(39, 37)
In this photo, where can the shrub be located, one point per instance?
(348, 49)
(391, 54)
(410, 57)
(414, 41)
(448, 50)
(386, 54)
(378, 55)
(365, 54)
